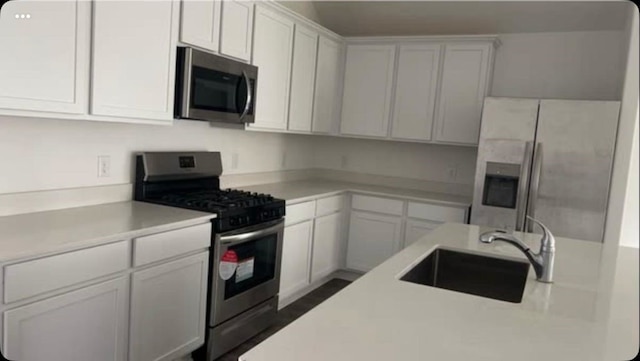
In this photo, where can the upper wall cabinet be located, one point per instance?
(237, 29)
(328, 82)
(134, 57)
(200, 24)
(303, 74)
(416, 88)
(273, 44)
(45, 47)
(368, 85)
(464, 86)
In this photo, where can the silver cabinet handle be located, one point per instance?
(247, 104)
(535, 184)
(522, 187)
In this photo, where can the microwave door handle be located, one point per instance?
(522, 188)
(247, 104)
(535, 185)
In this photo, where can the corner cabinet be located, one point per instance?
(464, 85)
(87, 324)
(272, 49)
(134, 57)
(46, 56)
(373, 238)
(368, 84)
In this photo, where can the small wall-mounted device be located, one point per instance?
(501, 185)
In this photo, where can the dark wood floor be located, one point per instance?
(288, 315)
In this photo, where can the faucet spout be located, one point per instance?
(542, 261)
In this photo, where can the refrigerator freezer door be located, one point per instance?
(506, 143)
(577, 141)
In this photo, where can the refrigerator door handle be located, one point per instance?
(535, 184)
(521, 211)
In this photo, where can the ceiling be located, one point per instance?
(377, 18)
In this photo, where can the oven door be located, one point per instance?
(214, 88)
(258, 253)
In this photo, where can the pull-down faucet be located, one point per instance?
(542, 261)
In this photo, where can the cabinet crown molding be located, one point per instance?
(492, 38)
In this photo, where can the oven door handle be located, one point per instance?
(233, 239)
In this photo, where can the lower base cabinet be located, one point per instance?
(168, 309)
(416, 229)
(296, 252)
(373, 238)
(87, 324)
(327, 245)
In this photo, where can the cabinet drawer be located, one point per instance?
(299, 212)
(434, 212)
(31, 278)
(164, 245)
(329, 205)
(376, 204)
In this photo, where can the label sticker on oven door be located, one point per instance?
(228, 265)
(245, 269)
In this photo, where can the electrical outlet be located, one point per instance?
(235, 160)
(104, 166)
(452, 172)
(344, 162)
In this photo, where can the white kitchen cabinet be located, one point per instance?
(45, 59)
(328, 82)
(296, 261)
(134, 58)
(327, 245)
(373, 238)
(416, 88)
(236, 30)
(464, 86)
(273, 43)
(200, 23)
(168, 309)
(87, 324)
(368, 82)
(302, 79)
(416, 229)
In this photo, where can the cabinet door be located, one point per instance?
(46, 55)
(373, 238)
(303, 76)
(296, 249)
(464, 83)
(416, 86)
(325, 105)
(134, 58)
(416, 229)
(87, 324)
(236, 29)
(366, 102)
(200, 23)
(168, 309)
(327, 244)
(272, 48)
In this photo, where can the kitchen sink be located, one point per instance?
(490, 277)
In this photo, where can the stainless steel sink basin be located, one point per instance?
(490, 277)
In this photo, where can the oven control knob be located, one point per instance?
(232, 221)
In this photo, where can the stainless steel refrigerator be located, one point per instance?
(549, 159)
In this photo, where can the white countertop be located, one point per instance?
(586, 314)
(298, 191)
(38, 234)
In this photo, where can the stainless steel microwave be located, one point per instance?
(213, 88)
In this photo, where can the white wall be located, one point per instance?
(569, 65)
(43, 154)
(407, 160)
(622, 218)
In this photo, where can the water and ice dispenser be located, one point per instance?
(501, 185)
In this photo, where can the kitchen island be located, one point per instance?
(590, 312)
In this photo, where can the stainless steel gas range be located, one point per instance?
(246, 247)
